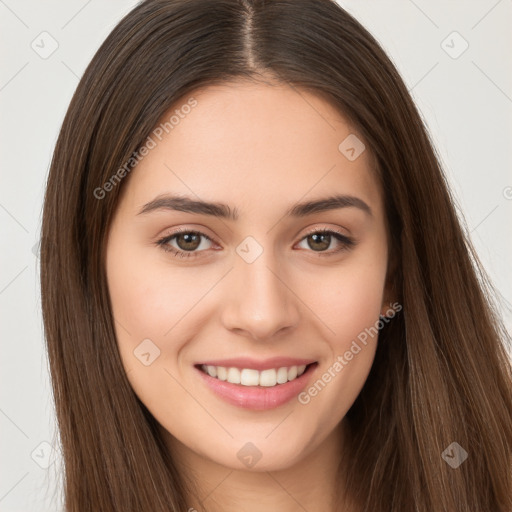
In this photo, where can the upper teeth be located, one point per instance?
(250, 377)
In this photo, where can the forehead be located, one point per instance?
(243, 143)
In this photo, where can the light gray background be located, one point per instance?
(466, 102)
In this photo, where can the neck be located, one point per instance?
(313, 483)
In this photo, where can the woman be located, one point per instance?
(256, 291)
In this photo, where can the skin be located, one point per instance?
(260, 149)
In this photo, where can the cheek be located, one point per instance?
(351, 301)
(144, 301)
(349, 297)
(348, 304)
(148, 297)
(149, 305)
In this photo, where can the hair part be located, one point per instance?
(441, 371)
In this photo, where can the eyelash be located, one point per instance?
(347, 242)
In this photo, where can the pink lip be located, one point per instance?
(258, 397)
(254, 364)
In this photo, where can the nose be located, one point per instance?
(259, 303)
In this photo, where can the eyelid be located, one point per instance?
(317, 229)
(347, 240)
(165, 239)
(197, 231)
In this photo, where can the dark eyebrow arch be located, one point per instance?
(328, 203)
(188, 205)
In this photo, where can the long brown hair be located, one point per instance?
(441, 373)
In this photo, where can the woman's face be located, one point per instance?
(256, 279)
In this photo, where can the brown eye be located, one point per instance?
(186, 243)
(319, 241)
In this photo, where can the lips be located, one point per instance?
(258, 397)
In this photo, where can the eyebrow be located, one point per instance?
(223, 211)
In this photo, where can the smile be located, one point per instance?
(254, 389)
(250, 377)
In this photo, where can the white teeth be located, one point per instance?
(282, 375)
(222, 373)
(268, 378)
(250, 377)
(233, 375)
